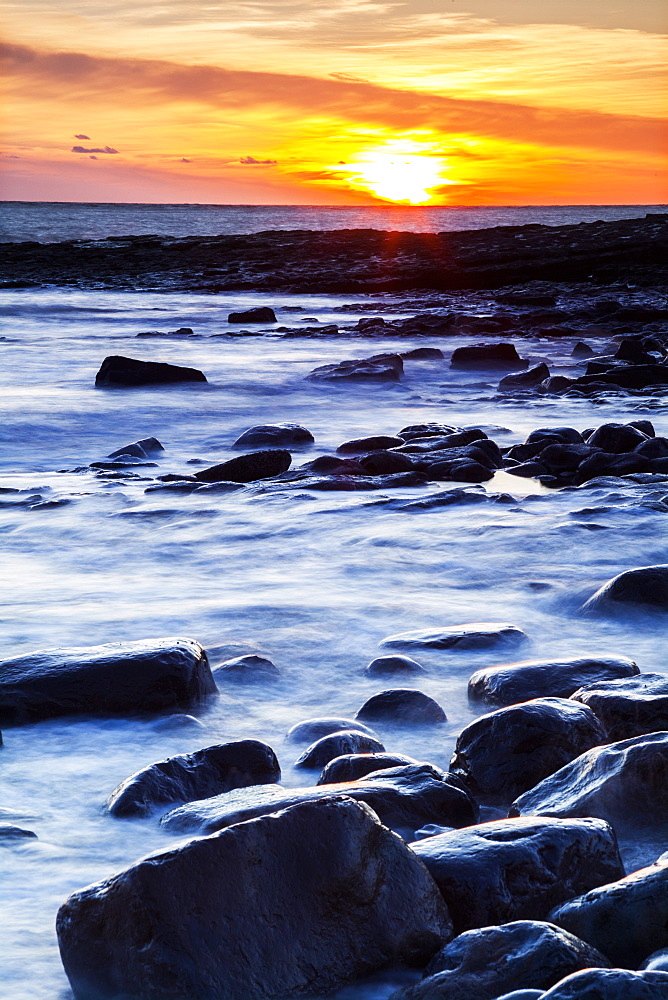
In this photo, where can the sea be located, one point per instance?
(312, 580)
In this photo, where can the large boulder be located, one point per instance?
(616, 438)
(609, 984)
(248, 468)
(139, 449)
(518, 869)
(627, 920)
(310, 730)
(474, 635)
(117, 678)
(644, 587)
(481, 964)
(351, 766)
(297, 903)
(383, 666)
(404, 705)
(118, 371)
(529, 379)
(379, 368)
(503, 355)
(630, 706)
(194, 776)
(274, 436)
(405, 798)
(259, 314)
(377, 442)
(328, 747)
(510, 683)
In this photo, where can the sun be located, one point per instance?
(403, 171)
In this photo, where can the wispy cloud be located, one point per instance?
(82, 137)
(104, 149)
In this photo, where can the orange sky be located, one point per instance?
(335, 101)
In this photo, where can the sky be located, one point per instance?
(335, 102)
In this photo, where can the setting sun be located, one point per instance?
(401, 170)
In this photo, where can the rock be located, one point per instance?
(299, 902)
(197, 775)
(379, 368)
(481, 964)
(474, 635)
(616, 438)
(556, 383)
(260, 314)
(657, 961)
(425, 430)
(422, 354)
(626, 377)
(626, 920)
(351, 766)
(247, 669)
(610, 984)
(274, 436)
(528, 379)
(404, 705)
(128, 372)
(646, 426)
(359, 446)
(644, 587)
(248, 468)
(405, 798)
(655, 447)
(625, 783)
(518, 869)
(630, 706)
(16, 833)
(117, 678)
(383, 666)
(582, 350)
(507, 752)
(177, 723)
(502, 355)
(328, 747)
(632, 349)
(313, 729)
(139, 449)
(382, 463)
(510, 683)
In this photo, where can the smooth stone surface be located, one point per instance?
(327, 748)
(528, 379)
(299, 902)
(358, 446)
(351, 766)
(474, 635)
(507, 752)
(16, 833)
(276, 435)
(119, 371)
(139, 449)
(260, 314)
(503, 355)
(384, 666)
(510, 683)
(610, 984)
(248, 468)
(197, 775)
(249, 668)
(310, 730)
(616, 438)
(657, 961)
(405, 705)
(646, 587)
(625, 783)
(481, 964)
(405, 798)
(379, 368)
(117, 678)
(518, 869)
(631, 706)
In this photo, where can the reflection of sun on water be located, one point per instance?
(401, 170)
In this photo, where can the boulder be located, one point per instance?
(274, 436)
(310, 730)
(350, 767)
(247, 669)
(627, 919)
(16, 833)
(405, 705)
(610, 984)
(657, 961)
(481, 964)
(507, 752)
(528, 379)
(625, 783)
(299, 902)
(358, 446)
(248, 468)
(582, 350)
(197, 775)
(616, 438)
(473, 635)
(626, 377)
(423, 354)
(502, 355)
(117, 371)
(328, 747)
(259, 314)
(630, 706)
(379, 368)
(383, 666)
(518, 869)
(413, 431)
(117, 678)
(510, 683)
(382, 463)
(644, 587)
(405, 798)
(139, 449)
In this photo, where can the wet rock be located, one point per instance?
(518, 869)
(655, 447)
(633, 349)
(405, 798)
(644, 587)
(483, 963)
(646, 426)
(139, 449)
(528, 379)
(657, 961)
(582, 350)
(300, 902)
(330, 465)
(117, 678)
(610, 984)
(422, 354)
(348, 741)
(177, 723)
(616, 438)
(117, 370)
(9, 834)
(626, 920)
(379, 368)
(502, 355)
(197, 775)
(625, 783)
(510, 683)
(507, 752)
(313, 729)
(404, 705)
(425, 430)
(248, 468)
(383, 666)
(260, 314)
(274, 435)
(473, 635)
(384, 463)
(626, 377)
(556, 384)
(248, 669)
(359, 446)
(350, 767)
(630, 706)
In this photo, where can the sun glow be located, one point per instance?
(403, 171)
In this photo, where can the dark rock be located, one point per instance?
(425, 430)
(654, 447)
(274, 436)
(630, 706)
(118, 678)
(359, 446)
(627, 377)
(558, 457)
(13, 833)
(625, 783)
(657, 961)
(330, 465)
(633, 350)
(441, 442)
(474, 635)
(481, 964)
(610, 984)
(247, 669)
(379, 368)
(197, 775)
(314, 729)
(626, 920)
(608, 464)
(528, 470)
(402, 705)
(616, 438)
(422, 354)
(644, 587)
(384, 665)
(646, 426)
(405, 798)
(139, 449)
(350, 767)
(556, 383)
(383, 463)
(518, 869)
(177, 723)
(248, 468)
(119, 371)
(358, 483)
(527, 297)
(349, 741)
(510, 683)
(300, 902)
(260, 314)
(582, 350)
(528, 379)
(460, 471)
(502, 355)
(551, 435)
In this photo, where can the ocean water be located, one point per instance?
(315, 581)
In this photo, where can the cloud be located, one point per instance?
(184, 160)
(82, 149)
(251, 161)
(92, 157)
(82, 137)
